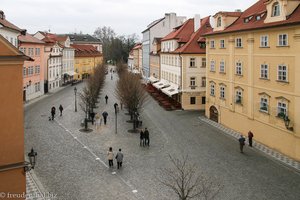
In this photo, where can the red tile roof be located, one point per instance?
(257, 9)
(29, 39)
(9, 25)
(181, 33)
(231, 14)
(85, 50)
(192, 46)
(137, 46)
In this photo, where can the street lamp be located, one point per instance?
(32, 159)
(75, 91)
(116, 111)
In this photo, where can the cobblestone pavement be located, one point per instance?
(73, 165)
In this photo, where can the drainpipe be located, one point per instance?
(181, 81)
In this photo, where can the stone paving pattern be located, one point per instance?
(73, 164)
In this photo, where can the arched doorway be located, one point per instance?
(213, 114)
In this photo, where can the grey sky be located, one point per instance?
(124, 16)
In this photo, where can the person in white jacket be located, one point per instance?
(110, 157)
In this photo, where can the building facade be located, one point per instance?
(33, 71)
(157, 29)
(85, 39)
(155, 58)
(12, 174)
(137, 58)
(252, 75)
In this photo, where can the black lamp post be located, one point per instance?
(32, 159)
(116, 111)
(75, 91)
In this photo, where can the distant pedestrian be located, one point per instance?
(250, 136)
(147, 137)
(110, 157)
(61, 109)
(142, 138)
(242, 143)
(106, 98)
(121, 105)
(97, 121)
(104, 114)
(53, 109)
(92, 114)
(111, 77)
(119, 158)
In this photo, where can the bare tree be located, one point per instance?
(132, 94)
(184, 179)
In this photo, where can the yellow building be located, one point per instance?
(253, 76)
(87, 57)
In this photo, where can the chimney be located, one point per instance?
(197, 22)
(2, 16)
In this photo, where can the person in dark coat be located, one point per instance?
(142, 138)
(53, 109)
(106, 98)
(250, 136)
(119, 158)
(147, 138)
(61, 109)
(104, 114)
(242, 143)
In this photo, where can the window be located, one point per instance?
(238, 96)
(193, 100)
(37, 69)
(212, 66)
(281, 109)
(192, 82)
(212, 89)
(282, 40)
(264, 41)
(192, 62)
(37, 51)
(222, 44)
(219, 22)
(212, 44)
(203, 100)
(238, 42)
(24, 50)
(222, 92)
(282, 73)
(264, 106)
(203, 81)
(24, 71)
(222, 66)
(275, 9)
(238, 68)
(264, 71)
(203, 62)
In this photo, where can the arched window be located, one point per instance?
(219, 22)
(275, 9)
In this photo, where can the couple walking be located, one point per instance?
(53, 111)
(110, 157)
(242, 141)
(144, 137)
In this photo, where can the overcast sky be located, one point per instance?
(124, 16)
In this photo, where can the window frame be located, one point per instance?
(212, 44)
(212, 89)
(238, 42)
(222, 44)
(212, 66)
(264, 41)
(222, 67)
(282, 73)
(276, 9)
(222, 92)
(264, 73)
(193, 62)
(239, 68)
(280, 40)
(192, 100)
(264, 103)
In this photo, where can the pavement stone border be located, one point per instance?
(270, 152)
(34, 189)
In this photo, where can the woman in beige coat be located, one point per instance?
(110, 157)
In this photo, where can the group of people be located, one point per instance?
(53, 111)
(118, 157)
(242, 141)
(144, 137)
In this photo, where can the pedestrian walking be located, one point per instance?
(142, 138)
(250, 136)
(119, 158)
(61, 109)
(106, 98)
(111, 77)
(104, 114)
(242, 143)
(53, 109)
(121, 105)
(97, 121)
(92, 114)
(110, 157)
(147, 137)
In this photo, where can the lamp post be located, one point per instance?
(116, 111)
(75, 91)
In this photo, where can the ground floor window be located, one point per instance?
(193, 100)
(203, 100)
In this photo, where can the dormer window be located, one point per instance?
(258, 17)
(219, 22)
(275, 9)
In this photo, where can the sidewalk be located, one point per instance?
(34, 189)
(256, 145)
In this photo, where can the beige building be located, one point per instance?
(137, 57)
(252, 75)
(183, 62)
(155, 58)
